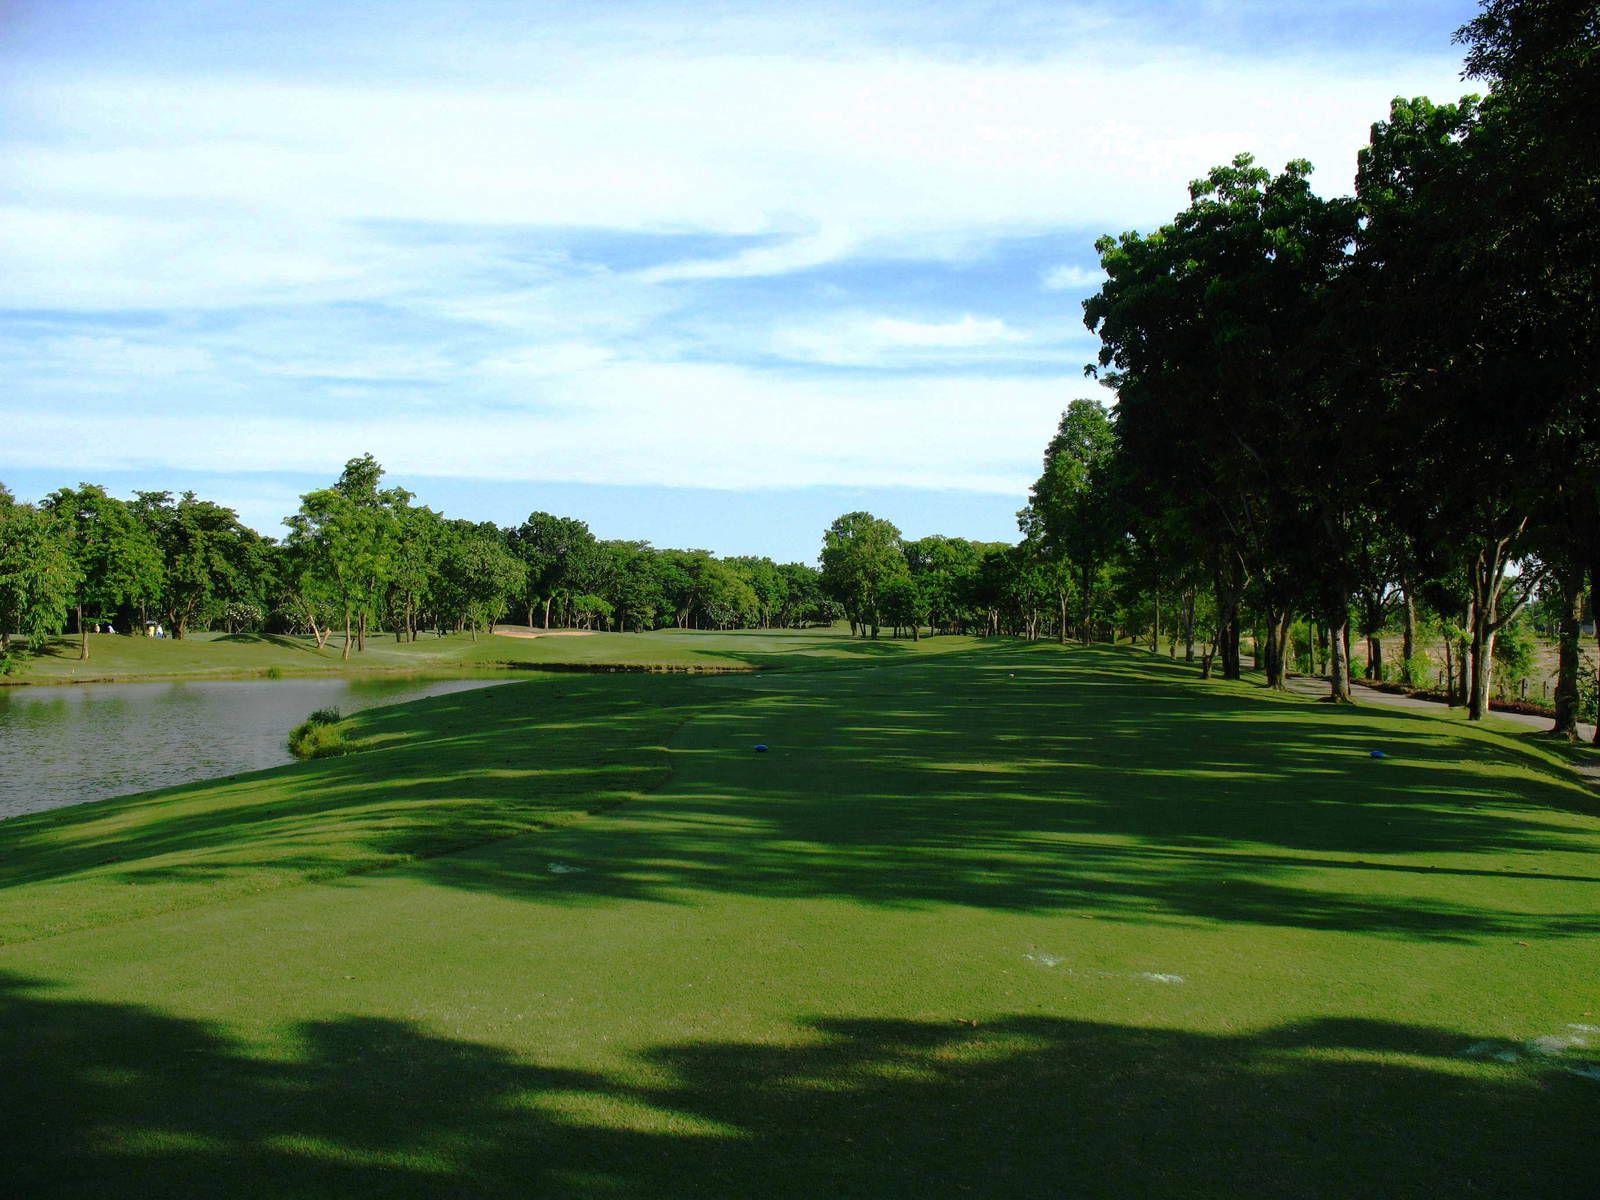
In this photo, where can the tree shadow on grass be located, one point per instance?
(1038, 790)
(281, 641)
(109, 1099)
(1027, 780)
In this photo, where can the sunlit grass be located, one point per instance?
(1011, 921)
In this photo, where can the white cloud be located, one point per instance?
(794, 255)
(968, 331)
(1071, 278)
(868, 340)
(311, 245)
(694, 425)
(187, 187)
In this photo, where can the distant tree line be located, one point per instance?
(1335, 414)
(359, 559)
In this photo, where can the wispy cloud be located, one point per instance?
(866, 340)
(684, 424)
(608, 244)
(1071, 278)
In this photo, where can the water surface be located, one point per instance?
(69, 743)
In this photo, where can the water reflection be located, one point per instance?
(67, 744)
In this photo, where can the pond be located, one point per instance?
(70, 743)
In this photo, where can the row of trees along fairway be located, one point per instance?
(358, 557)
(943, 584)
(1341, 407)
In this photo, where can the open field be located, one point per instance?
(1006, 920)
(113, 657)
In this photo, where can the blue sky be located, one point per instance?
(706, 275)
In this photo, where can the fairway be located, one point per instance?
(1003, 920)
(114, 657)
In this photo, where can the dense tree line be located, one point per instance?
(359, 558)
(1334, 412)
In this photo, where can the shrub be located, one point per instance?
(273, 672)
(318, 736)
(1420, 667)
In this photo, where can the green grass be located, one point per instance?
(117, 658)
(1009, 921)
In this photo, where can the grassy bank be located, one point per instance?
(115, 658)
(1010, 921)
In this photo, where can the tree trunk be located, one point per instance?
(320, 634)
(1482, 674)
(1374, 657)
(547, 600)
(1594, 612)
(1339, 662)
(1571, 631)
(83, 637)
(1155, 627)
(1230, 583)
(1408, 635)
(1478, 680)
(361, 632)
(1278, 625)
(1088, 605)
(1189, 601)
(345, 657)
(1061, 632)
(1228, 634)
(1489, 615)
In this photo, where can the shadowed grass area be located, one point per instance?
(866, 1107)
(428, 778)
(1009, 921)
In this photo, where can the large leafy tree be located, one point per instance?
(478, 576)
(860, 554)
(39, 575)
(1071, 516)
(1541, 59)
(118, 561)
(419, 545)
(1206, 328)
(211, 560)
(1491, 387)
(344, 539)
(948, 570)
(557, 552)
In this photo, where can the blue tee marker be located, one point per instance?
(761, 749)
(1379, 754)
